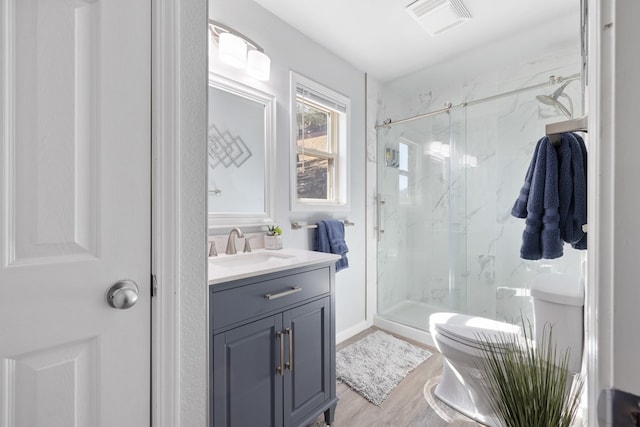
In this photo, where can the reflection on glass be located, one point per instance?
(236, 153)
(312, 177)
(315, 151)
(438, 150)
(406, 171)
(312, 127)
(403, 182)
(403, 148)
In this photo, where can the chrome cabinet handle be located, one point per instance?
(289, 364)
(279, 368)
(123, 294)
(293, 290)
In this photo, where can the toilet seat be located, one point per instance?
(468, 330)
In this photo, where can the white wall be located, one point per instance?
(192, 244)
(615, 92)
(290, 50)
(626, 316)
(180, 385)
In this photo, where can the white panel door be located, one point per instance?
(74, 212)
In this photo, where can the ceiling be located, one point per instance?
(379, 37)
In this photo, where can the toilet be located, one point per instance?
(558, 299)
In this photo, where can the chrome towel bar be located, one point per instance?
(298, 226)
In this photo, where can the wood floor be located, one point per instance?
(411, 404)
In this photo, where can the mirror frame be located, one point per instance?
(266, 216)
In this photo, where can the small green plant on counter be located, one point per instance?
(528, 383)
(274, 230)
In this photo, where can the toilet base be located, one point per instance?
(464, 398)
(459, 339)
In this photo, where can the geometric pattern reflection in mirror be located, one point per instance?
(226, 149)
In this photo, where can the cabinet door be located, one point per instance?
(247, 390)
(307, 350)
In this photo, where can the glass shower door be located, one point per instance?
(414, 178)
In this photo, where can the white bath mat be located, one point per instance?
(374, 365)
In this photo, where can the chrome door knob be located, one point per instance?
(123, 294)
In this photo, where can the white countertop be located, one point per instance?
(224, 268)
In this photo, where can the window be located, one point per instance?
(319, 146)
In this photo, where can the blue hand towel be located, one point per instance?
(321, 243)
(330, 239)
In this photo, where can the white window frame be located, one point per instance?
(341, 184)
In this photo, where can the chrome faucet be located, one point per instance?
(231, 243)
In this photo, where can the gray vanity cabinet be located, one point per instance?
(274, 365)
(245, 392)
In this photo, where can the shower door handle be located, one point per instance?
(379, 203)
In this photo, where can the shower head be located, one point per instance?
(553, 100)
(556, 93)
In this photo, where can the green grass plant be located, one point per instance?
(528, 383)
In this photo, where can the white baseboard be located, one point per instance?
(348, 333)
(403, 330)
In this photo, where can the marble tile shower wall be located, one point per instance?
(457, 242)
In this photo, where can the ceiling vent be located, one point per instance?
(437, 16)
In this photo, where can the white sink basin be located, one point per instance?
(250, 259)
(223, 268)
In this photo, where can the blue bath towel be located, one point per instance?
(330, 239)
(572, 187)
(519, 209)
(580, 202)
(541, 237)
(553, 198)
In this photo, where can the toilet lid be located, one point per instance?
(470, 329)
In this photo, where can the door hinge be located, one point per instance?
(154, 285)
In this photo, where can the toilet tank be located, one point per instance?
(558, 300)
